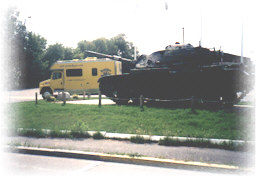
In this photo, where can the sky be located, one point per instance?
(150, 25)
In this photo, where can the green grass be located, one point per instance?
(129, 119)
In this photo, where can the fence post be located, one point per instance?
(142, 102)
(84, 94)
(99, 99)
(36, 98)
(88, 95)
(64, 98)
(192, 104)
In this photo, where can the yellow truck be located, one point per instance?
(76, 76)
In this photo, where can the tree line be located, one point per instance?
(30, 58)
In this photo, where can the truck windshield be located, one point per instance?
(56, 75)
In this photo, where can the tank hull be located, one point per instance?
(207, 84)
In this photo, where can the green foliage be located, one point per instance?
(78, 54)
(135, 155)
(205, 143)
(139, 139)
(79, 126)
(35, 66)
(54, 53)
(50, 98)
(15, 34)
(26, 50)
(68, 53)
(38, 133)
(189, 142)
(123, 48)
(98, 136)
(60, 134)
(80, 134)
(117, 45)
(75, 96)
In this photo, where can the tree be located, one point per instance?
(117, 45)
(68, 53)
(78, 54)
(35, 47)
(54, 53)
(26, 50)
(123, 48)
(101, 45)
(15, 34)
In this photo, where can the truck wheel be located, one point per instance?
(46, 93)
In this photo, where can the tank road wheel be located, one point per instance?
(122, 102)
(230, 100)
(120, 98)
(136, 101)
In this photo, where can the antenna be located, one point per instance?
(242, 40)
(201, 23)
(183, 34)
(135, 53)
(201, 28)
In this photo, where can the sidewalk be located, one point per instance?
(239, 160)
(92, 102)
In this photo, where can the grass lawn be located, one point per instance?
(129, 119)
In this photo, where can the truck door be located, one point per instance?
(57, 81)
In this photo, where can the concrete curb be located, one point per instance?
(155, 138)
(149, 161)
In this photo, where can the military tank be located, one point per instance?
(179, 73)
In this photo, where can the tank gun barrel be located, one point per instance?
(113, 57)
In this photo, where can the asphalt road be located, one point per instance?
(33, 165)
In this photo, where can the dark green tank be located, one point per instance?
(179, 73)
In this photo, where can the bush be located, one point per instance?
(50, 98)
(75, 96)
(79, 134)
(204, 143)
(59, 134)
(138, 139)
(98, 135)
(168, 142)
(79, 126)
(189, 142)
(32, 133)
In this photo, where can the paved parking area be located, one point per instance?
(21, 95)
(29, 95)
